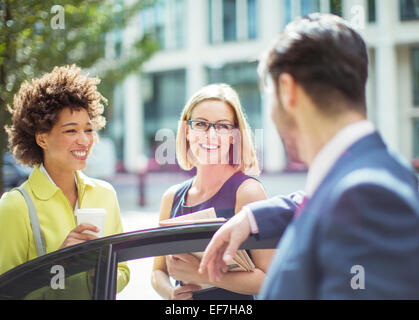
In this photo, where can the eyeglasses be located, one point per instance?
(204, 126)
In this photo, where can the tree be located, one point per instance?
(35, 36)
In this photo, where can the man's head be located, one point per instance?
(319, 64)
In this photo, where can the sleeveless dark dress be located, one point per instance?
(224, 203)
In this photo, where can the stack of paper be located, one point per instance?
(241, 261)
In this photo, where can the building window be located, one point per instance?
(415, 64)
(409, 10)
(232, 20)
(179, 26)
(287, 12)
(229, 20)
(300, 8)
(118, 37)
(372, 11)
(416, 138)
(163, 103)
(252, 19)
(309, 6)
(117, 34)
(336, 7)
(243, 78)
(165, 20)
(115, 129)
(415, 70)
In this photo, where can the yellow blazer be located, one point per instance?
(56, 217)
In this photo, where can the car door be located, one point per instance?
(89, 270)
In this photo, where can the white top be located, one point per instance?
(45, 172)
(333, 150)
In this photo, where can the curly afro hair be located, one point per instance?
(38, 104)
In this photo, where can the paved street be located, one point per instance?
(135, 217)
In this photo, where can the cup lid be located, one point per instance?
(100, 211)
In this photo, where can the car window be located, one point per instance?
(66, 278)
(89, 270)
(139, 286)
(143, 248)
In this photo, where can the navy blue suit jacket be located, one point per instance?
(356, 238)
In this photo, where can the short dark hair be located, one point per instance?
(326, 56)
(37, 105)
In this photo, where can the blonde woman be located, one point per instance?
(214, 137)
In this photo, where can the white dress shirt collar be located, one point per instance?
(45, 172)
(333, 150)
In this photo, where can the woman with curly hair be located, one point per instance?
(54, 124)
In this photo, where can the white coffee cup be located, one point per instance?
(93, 216)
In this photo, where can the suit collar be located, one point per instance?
(333, 150)
(355, 152)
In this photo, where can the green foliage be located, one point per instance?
(30, 46)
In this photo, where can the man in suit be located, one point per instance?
(355, 235)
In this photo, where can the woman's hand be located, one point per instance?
(184, 292)
(77, 236)
(184, 267)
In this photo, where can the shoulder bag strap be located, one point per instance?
(36, 226)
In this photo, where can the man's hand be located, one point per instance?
(223, 246)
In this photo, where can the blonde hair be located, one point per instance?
(248, 163)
